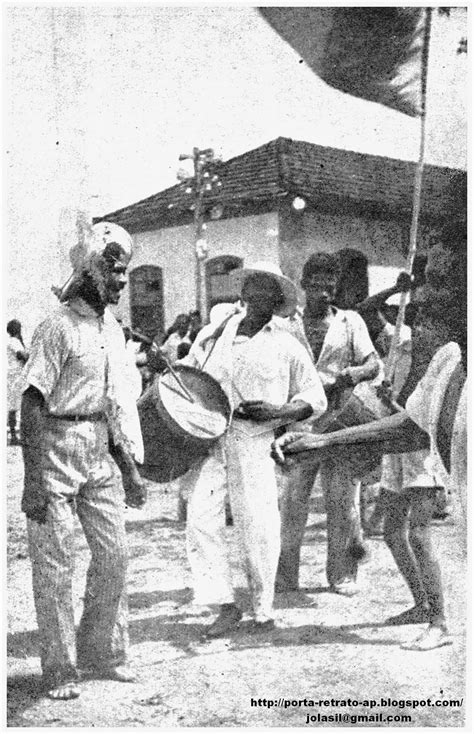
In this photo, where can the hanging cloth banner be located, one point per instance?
(372, 53)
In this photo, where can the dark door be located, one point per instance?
(218, 285)
(146, 300)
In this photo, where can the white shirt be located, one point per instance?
(347, 343)
(403, 353)
(270, 366)
(79, 364)
(424, 407)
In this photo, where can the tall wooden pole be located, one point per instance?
(391, 359)
(198, 232)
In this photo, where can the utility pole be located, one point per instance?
(204, 180)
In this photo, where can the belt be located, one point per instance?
(75, 418)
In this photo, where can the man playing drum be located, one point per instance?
(270, 380)
(344, 356)
(435, 409)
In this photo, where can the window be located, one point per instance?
(146, 300)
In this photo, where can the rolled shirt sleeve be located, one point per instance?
(48, 352)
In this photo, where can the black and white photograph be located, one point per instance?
(236, 276)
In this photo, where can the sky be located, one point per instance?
(101, 100)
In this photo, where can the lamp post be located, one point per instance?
(205, 180)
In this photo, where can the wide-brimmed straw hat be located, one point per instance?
(288, 288)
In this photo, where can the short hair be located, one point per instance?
(320, 261)
(14, 327)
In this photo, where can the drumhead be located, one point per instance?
(196, 403)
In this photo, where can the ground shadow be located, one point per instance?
(145, 599)
(150, 524)
(189, 637)
(23, 644)
(22, 692)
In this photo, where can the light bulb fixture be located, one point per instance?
(202, 249)
(298, 203)
(217, 211)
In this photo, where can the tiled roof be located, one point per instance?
(322, 175)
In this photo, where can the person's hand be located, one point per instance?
(295, 442)
(258, 410)
(345, 379)
(34, 502)
(156, 360)
(404, 282)
(384, 391)
(135, 489)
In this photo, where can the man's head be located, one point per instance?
(99, 264)
(444, 295)
(14, 328)
(319, 281)
(262, 294)
(264, 289)
(353, 282)
(181, 324)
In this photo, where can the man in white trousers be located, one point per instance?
(271, 381)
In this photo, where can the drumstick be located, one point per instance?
(178, 380)
(181, 395)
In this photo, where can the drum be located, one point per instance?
(355, 407)
(358, 406)
(182, 414)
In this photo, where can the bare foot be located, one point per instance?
(430, 639)
(65, 691)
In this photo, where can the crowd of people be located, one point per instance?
(287, 372)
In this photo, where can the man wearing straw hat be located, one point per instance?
(271, 381)
(77, 412)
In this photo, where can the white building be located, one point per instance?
(279, 202)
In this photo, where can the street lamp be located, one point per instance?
(204, 181)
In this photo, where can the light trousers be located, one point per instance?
(241, 464)
(80, 476)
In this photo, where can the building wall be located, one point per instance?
(251, 238)
(384, 243)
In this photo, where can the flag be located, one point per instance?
(373, 53)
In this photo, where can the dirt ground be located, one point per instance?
(324, 647)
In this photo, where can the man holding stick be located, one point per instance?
(435, 413)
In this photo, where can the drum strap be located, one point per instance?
(217, 335)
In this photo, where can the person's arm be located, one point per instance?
(375, 302)
(351, 376)
(261, 411)
(22, 356)
(398, 429)
(133, 484)
(306, 392)
(34, 501)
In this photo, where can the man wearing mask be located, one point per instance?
(78, 413)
